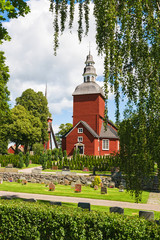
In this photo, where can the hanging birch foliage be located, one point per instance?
(128, 35)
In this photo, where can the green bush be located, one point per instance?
(21, 162)
(34, 221)
(27, 159)
(97, 181)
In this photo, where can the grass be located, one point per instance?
(31, 166)
(127, 211)
(61, 190)
(78, 171)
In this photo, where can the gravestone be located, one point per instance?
(117, 210)
(30, 161)
(72, 185)
(24, 182)
(111, 185)
(6, 197)
(84, 205)
(0, 164)
(36, 171)
(94, 171)
(78, 187)
(51, 187)
(10, 179)
(1, 180)
(148, 215)
(85, 169)
(95, 187)
(56, 203)
(103, 190)
(9, 166)
(65, 168)
(121, 188)
(30, 200)
(54, 167)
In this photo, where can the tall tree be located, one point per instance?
(24, 128)
(128, 35)
(8, 9)
(4, 106)
(36, 104)
(63, 129)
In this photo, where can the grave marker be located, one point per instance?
(51, 187)
(116, 210)
(78, 187)
(84, 205)
(56, 203)
(103, 190)
(148, 215)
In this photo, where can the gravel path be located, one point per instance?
(148, 206)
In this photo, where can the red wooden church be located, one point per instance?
(88, 133)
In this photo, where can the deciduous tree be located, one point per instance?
(128, 36)
(24, 128)
(36, 104)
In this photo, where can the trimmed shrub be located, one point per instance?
(27, 159)
(21, 162)
(34, 221)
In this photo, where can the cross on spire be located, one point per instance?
(89, 48)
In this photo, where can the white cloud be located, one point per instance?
(32, 62)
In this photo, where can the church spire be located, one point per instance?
(89, 70)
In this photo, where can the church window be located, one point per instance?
(118, 145)
(80, 130)
(80, 139)
(88, 78)
(105, 144)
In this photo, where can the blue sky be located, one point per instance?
(32, 63)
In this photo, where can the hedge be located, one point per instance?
(34, 221)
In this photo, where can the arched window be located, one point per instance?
(88, 78)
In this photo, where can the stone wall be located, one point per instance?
(60, 179)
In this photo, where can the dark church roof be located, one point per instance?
(88, 88)
(110, 133)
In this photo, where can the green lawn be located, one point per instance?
(78, 171)
(61, 190)
(31, 166)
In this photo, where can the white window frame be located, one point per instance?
(118, 146)
(80, 139)
(105, 144)
(80, 130)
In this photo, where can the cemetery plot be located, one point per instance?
(62, 190)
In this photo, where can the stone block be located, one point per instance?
(84, 205)
(51, 187)
(56, 203)
(6, 197)
(30, 200)
(103, 190)
(78, 187)
(148, 215)
(117, 210)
